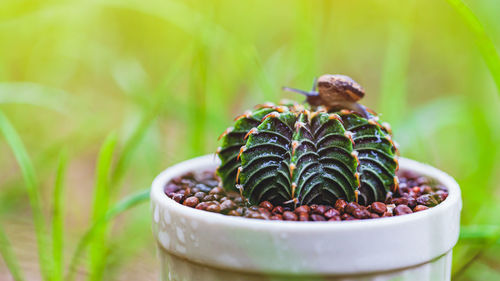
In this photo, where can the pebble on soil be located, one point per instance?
(415, 194)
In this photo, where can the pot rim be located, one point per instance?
(206, 161)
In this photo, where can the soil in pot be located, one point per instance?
(415, 193)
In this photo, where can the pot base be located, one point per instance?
(179, 269)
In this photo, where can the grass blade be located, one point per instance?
(120, 207)
(130, 146)
(34, 94)
(483, 41)
(97, 249)
(9, 257)
(479, 232)
(492, 60)
(490, 238)
(148, 115)
(197, 95)
(393, 93)
(58, 219)
(31, 182)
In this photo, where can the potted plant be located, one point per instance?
(306, 192)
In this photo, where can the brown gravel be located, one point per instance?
(191, 201)
(266, 205)
(415, 194)
(304, 217)
(289, 216)
(378, 208)
(402, 210)
(302, 209)
(419, 208)
(340, 205)
(278, 210)
(332, 213)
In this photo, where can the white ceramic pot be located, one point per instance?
(196, 245)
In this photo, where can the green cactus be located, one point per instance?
(290, 154)
(336, 149)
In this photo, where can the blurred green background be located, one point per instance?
(160, 80)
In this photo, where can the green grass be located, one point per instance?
(93, 231)
(492, 59)
(32, 94)
(97, 248)
(169, 76)
(483, 41)
(479, 232)
(31, 182)
(395, 68)
(58, 218)
(486, 235)
(95, 237)
(9, 257)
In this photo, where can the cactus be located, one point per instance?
(289, 154)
